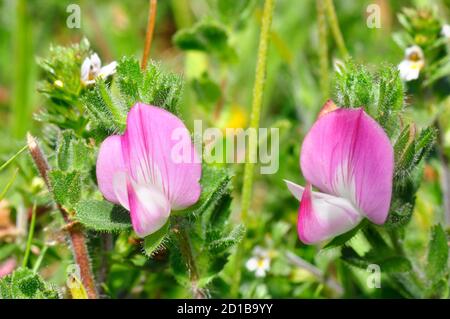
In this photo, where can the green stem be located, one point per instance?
(323, 50)
(181, 13)
(9, 184)
(258, 89)
(13, 157)
(40, 259)
(30, 236)
(188, 255)
(334, 25)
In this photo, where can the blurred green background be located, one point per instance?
(292, 98)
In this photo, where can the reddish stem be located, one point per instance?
(149, 33)
(76, 235)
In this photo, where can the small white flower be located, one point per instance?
(260, 262)
(446, 31)
(92, 69)
(412, 63)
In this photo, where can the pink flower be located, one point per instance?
(349, 158)
(7, 267)
(139, 170)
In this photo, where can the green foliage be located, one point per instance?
(421, 26)
(215, 182)
(108, 104)
(72, 153)
(409, 150)
(437, 261)
(102, 216)
(153, 242)
(207, 91)
(25, 284)
(66, 187)
(206, 36)
(344, 238)
(388, 264)
(379, 93)
(233, 13)
(61, 84)
(207, 227)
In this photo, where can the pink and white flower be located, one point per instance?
(349, 158)
(137, 169)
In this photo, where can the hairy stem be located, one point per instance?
(334, 25)
(323, 50)
(149, 33)
(76, 235)
(188, 255)
(258, 90)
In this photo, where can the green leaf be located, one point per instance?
(344, 238)
(25, 284)
(395, 264)
(206, 36)
(153, 86)
(207, 91)
(215, 184)
(102, 110)
(350, 256)
(102, 216)
(381, 93)
(219, 246)
(108, 105)
(437, 265)
(413, 152)
(65, 187)
(72, 153)
(233, 12)
(153, 242)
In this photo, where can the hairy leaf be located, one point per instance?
(102, 216)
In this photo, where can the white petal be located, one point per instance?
(149, 208)
(409, 70)
(323, 218)
(415, 49)
(252, 264)
(96, 62)
(446, 31)
(260, 272)
(85, 69)
(120, 188)
(108, 70)
(265, 264)
(295, 189)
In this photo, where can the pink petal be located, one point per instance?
(148, 144)
(149, 208)
(7, 267)
(347, 154)
(110, 171)
(325, 216)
